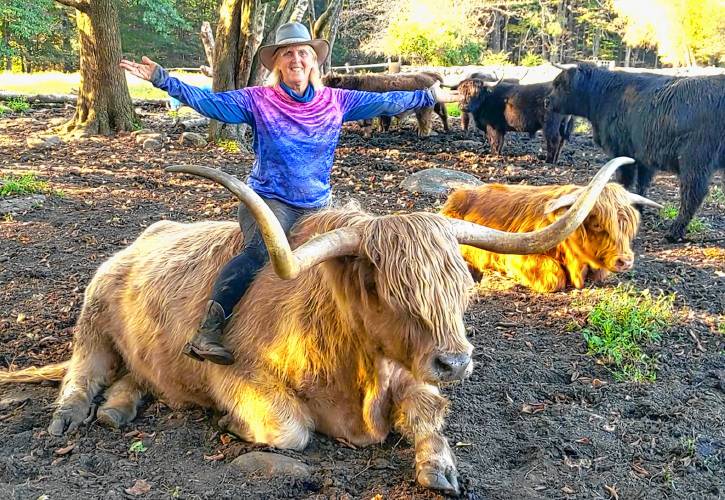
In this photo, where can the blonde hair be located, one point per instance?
(275, 76)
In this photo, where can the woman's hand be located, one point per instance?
(444, 95)
(144, 70)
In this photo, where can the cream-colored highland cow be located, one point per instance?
(347, 335)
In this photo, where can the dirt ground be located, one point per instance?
(539, 418)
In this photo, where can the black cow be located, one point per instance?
(502, 107)
(663, 122)
(467, 122)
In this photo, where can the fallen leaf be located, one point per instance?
(597, 383)
(568, 490)
(609, 427)
(584, 440)
(21, 318)
(639, 470)
(533, 408)
(461, 443)
(612, 492)
(65, 450)
(346, 443)
(132, 433)
(214, 458)
(140, 487)
(225, 439)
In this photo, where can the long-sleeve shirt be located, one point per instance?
(294, 142)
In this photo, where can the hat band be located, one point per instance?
(290, 41)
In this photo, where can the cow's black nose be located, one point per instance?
(451, 366)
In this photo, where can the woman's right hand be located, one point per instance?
(144, 70)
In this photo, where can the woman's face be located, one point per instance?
(296, 62)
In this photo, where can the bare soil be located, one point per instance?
(539, 418)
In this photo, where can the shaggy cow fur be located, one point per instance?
(601, 245)
(374, 82)
(663, 122)
(350, 348)
(510, 107)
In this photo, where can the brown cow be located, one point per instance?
(352, 342)
(376, 82)
(601, 245)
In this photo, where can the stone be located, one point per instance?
(38, 142)
(268, 465)
(468, 144)
(192, 139)
(438, 181)
(152, 145)
(143, 131)
(141, 138)
(15, 206)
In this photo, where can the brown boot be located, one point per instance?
(207, 343)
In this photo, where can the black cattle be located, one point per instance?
(502, 107)
(467, 122)
(665, 123)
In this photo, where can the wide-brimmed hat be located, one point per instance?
(293, 34)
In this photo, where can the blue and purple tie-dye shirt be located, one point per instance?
(294, 141)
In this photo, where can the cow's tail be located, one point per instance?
(54, 372)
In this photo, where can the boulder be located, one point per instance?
(192, 139)
(15, 206)
(438, 181)
(151, 144)
(141, 138)
(268, 465)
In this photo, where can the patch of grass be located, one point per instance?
(621, 324)
(582, 126)
(23, 184)
(229, 145)
(18, 104)
(453, 109)
(137, 447)
(55, 82)
(716, 195)
(697, 225)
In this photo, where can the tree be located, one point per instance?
(685, 32)
(104, 103)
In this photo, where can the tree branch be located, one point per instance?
(81, 5)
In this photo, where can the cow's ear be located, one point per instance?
(561, 202)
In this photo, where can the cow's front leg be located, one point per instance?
(419, 411)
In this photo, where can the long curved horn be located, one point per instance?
(542, 240)
(563, 68)
(493, 84)
(286, 263)
(636, 199)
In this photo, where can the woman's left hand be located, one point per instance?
(444, 95)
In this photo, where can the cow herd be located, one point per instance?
(664, 123)
(358, 318)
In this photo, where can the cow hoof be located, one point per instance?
(114, 417)
(433, 476)
(66, 420)
(675, 238)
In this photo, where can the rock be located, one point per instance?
(192, 139)
(268, 465)
(141, 138)
(468, 144)
(15, 206)
(152, 145)
(143, 131)
(438, 181)
(37, 142)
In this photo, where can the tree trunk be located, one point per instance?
(505, 38)
(627, 56)
(6, 42)
(326, 27)
(284, 14)
(496, 32)
(104, 104)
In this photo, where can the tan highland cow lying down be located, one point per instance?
(337, 336)
(602, 244)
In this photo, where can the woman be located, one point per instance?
(296, 123)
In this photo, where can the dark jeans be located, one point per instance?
(236, 276)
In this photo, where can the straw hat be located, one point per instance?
(293, 34)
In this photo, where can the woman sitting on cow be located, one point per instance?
(296, 123)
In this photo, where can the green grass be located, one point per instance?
(716, 195)
(582, 126)
(697, 225)
(18, 104)
(621, 324)
(55, 82)
(23, 184)
(229, 145)
(453, 109)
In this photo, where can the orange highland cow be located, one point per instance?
(602, 244)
